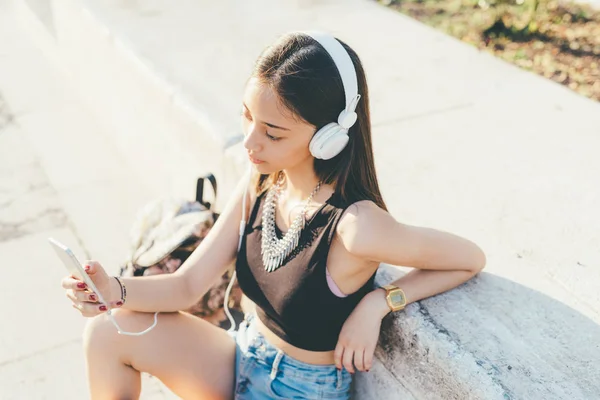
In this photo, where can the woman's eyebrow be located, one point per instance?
(268, 124)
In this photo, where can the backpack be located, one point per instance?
(164, 234)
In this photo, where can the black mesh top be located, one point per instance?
(294, 301)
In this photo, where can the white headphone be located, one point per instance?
(331, 139)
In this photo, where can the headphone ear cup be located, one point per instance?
(329, 141)
(316, 143)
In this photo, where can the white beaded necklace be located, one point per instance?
(274, 250)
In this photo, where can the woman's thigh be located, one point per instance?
(194, 358)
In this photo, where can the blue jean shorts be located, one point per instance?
(265, 372)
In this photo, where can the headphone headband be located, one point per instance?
(332, 138)
(343, 63)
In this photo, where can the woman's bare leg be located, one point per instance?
(195, 359)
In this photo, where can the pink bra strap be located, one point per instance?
(333, 287)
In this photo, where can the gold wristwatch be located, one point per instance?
(395, 297)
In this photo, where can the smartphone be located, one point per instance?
(72, 264)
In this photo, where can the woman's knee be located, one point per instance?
(100, 330)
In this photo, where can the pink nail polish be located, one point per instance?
(102, 308)
(81, 285)
(87, 268)
(119, 303)
(92, 297)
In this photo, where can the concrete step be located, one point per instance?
(464, 143)
(168, 139)
(59, 177)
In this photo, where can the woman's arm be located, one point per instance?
(417, 285)
(441, 260)
(183, 288)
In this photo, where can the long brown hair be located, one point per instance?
(308, 84)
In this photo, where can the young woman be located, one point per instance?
(316, 231)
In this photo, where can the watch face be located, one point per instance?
(397, 298)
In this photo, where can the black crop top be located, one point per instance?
(295, 301)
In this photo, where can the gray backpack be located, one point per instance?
(164, 234)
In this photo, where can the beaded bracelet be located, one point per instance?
(123, 289)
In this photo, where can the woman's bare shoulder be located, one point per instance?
(365, 211)
(362, 219)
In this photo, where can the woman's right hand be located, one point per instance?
(84, 299)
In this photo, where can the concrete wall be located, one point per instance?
(168, 139)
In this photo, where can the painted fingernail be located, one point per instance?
(81, 285)
(92, 297)
(87, 267)
(102, 308)
(119, 303)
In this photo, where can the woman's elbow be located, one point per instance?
(480, 261)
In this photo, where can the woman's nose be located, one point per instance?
(250, 138)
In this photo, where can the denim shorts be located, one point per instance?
(265, 372)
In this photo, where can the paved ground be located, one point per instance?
(59, 178)
(463, 142)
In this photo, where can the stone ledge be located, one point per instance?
(491, 338)
(169, 138)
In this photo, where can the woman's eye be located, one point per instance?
(272, 138)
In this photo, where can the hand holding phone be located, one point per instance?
(92, 291)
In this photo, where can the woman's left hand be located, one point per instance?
(358, 338)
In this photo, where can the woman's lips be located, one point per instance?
(255, 160)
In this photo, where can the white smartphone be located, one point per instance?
(74, 267)
(72, 264)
